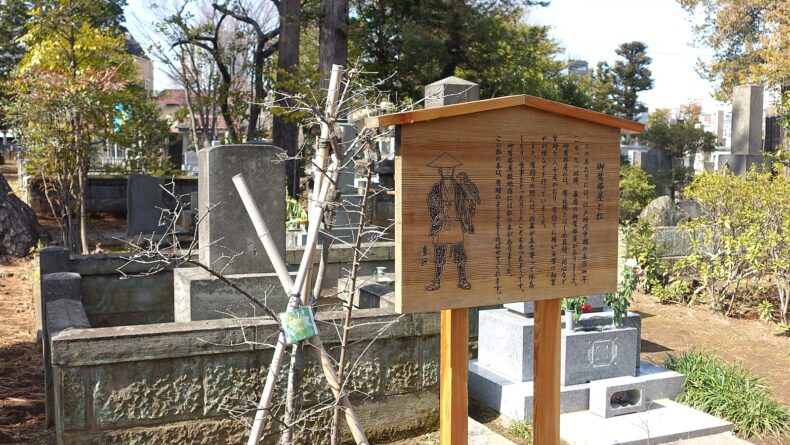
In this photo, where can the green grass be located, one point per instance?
(727, 390)
(521, 429)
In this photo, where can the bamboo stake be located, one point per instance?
(285, 279)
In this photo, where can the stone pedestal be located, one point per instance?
(502, 376)
(202, 296)
(594, 350)
(597, 354)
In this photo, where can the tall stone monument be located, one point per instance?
(228, 242)
(747, 131)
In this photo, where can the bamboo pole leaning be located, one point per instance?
(323, 355)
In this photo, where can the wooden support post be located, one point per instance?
(546, 400)
(453, 401)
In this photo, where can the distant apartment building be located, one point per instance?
(145, 67)
(578, 67)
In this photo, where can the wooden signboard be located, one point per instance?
(504, 200)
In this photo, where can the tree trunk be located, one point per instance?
(333, 37)
(285, 132)
(19, 229)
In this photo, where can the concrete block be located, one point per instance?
(145, 199)
(597, 354)
(199, 295)
(51, 259)
(227, 238)
(615, 397)
(505, 342)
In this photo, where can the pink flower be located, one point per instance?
(586, 308)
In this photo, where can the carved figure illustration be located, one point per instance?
(451, 206)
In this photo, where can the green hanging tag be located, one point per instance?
(298, 324)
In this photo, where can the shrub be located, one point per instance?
(636, 191)
(731, 392)
(641, 246)
(675, 292)
(742, 236)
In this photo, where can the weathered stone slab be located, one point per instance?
(54, 286)
(672, 242)
(70, 398)
(226, 231)
(402, 370)
(232, 381)
(65, 314)
(111, 300)
(594, 355)
(505, 343)
(201, 296)
(617, 396)
(139, 391)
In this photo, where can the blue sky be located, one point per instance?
(591, 30)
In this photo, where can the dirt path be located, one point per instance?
(22, 418)
(757, 344)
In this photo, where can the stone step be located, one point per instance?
(663, 422)
(514, 399)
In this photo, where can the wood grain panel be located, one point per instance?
(526, 263)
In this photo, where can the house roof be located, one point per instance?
(411, 117)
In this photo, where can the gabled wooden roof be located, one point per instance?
(410, 117)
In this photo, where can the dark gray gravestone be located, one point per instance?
(226, 231)
(145, 200)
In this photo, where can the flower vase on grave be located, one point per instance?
(569, 320)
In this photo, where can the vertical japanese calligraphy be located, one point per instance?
(498, 198)
(548, 186)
